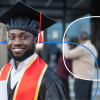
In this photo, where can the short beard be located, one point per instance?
(28, 53)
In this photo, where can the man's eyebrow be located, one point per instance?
(26, 33)
(22, 32)
(11, 33)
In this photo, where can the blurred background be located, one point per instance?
(64, 12)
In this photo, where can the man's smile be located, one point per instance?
(18, 50)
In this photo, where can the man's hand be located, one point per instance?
(66, 40)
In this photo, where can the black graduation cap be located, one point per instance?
(24, 17)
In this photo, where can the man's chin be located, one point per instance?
(19, 58)
(23, 56)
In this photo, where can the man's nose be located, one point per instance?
(17, 41)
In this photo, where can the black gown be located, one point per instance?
(51, 87)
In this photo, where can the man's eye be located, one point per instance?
(24, 37)
(11, 37)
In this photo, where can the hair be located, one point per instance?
(25, 23)
(83, 36)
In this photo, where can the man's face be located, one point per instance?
(21, 44)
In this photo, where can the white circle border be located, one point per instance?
(63, 47)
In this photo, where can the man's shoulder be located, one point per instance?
(49, 77)
(90, 46)
(50, 74)
(8, 64)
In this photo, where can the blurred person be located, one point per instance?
(63, 73)
(48, 56)
(58, 54)
(83, 66)
(28, 77)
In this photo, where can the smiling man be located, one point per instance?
(21, 45)
(28, 76)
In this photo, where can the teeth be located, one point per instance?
(18, 49)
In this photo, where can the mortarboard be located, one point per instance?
(24, 17)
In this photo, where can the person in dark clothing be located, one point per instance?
(63, 73)
(58, 54)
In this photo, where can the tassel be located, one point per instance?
(40, 35)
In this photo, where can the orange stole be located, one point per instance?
(29, 84)
(5, 71)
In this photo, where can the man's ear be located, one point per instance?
(35, 40)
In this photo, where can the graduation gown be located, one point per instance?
(51, 87)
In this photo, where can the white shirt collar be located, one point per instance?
(25, 62)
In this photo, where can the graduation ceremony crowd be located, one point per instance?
(27, 75)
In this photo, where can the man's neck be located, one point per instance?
(17, 63)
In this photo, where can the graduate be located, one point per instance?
(28, 77)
